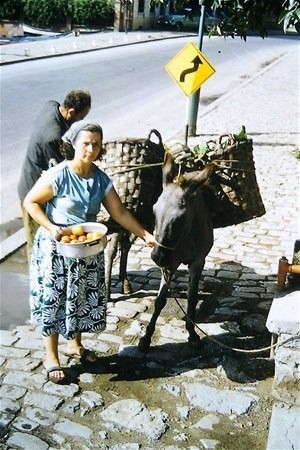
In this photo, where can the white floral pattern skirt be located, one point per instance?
(67, 295)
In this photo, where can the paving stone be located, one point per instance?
(183, 411)
(5, 420)
(12, 392)
(112, 338)
(228, 275)
(9, 406)
(44, 401)
(11, 352)
(86, 378)
(284, 315)
(137, 307)
(125, 446)
(146, 317)
(180, 437)
(213, 329)
(24, 364)
(99, 347)
(73, 429)
(123, 313)
(71, 407)
(135, 329)
(61, 390)
(175, 333)
(24, 424)
(112, 319)
(209, 444)
(41, 416)
(30, 343)
(208, 422)
(28, 380)
(171, 389)
(130, 351)
(8, 338)
(26, 441)
(284, 428)
(134, 416)
(92, 399)
(223, 401)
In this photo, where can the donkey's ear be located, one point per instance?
(169, 169)
(193, 180)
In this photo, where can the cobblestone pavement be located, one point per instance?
(174, 397)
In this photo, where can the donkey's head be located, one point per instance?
(175, 212)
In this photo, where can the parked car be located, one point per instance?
(187, 20)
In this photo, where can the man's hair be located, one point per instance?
(79, 100)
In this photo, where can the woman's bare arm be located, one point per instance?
(121, 215)
(40, 194)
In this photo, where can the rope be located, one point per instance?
(130, 167)
(239, 350)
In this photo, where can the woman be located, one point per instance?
(67, 295)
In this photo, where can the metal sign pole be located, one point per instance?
(193, 101)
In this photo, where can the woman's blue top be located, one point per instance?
(75, 199)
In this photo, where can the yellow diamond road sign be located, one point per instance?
(190, 68)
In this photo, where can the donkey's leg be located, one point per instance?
(160, 302)
(192, 297)
(111, 251)
(125, 245)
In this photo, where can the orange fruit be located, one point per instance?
(97, 234)
(77, 230)
(65, 239)
(82, 238)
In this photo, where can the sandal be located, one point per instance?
(86, 357)
(56, 380)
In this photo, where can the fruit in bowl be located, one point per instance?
(77, 235)
(89, 238)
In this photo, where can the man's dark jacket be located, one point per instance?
(43, 146)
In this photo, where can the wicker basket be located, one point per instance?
(234, 195)
(138, 187)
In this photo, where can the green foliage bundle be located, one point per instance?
(93, 12)
(56, 13)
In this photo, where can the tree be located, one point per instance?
(242, 16)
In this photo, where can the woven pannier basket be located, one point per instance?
(234, 195)
(129, 162)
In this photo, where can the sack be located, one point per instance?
(138, 187)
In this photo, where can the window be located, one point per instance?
(141, 6)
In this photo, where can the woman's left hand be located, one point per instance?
(150, 240)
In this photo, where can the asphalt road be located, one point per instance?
(131, 92)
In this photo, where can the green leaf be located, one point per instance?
(199, 150)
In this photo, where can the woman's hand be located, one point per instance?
(150, 239)
(56, 232)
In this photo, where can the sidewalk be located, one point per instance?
(175, 398)
(71, 44)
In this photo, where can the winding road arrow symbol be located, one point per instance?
(196, 62)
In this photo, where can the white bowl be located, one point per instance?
(84, 249)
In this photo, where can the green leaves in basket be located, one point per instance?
(199, 150)
(242, 135)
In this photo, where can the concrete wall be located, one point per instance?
(11, 28)
(135, 20)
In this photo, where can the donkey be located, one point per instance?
(184, 234)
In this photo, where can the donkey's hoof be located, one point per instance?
(126, 288)
(143, 345)
(195, 342)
